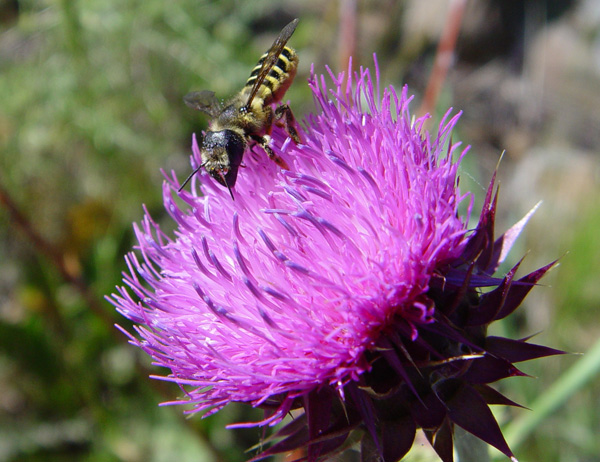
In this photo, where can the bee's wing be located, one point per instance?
(272, 57)
(204, 101)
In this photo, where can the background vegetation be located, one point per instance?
(91, 110)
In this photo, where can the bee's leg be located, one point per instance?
(263, 142)
(284, 117)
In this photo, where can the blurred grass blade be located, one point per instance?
(566, 386)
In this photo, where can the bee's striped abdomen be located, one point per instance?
(278, 78)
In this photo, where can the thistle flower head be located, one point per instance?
(347, 285)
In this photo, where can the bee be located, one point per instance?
(247, 118)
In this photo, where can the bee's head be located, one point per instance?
(222, 153)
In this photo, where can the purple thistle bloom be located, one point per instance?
(348, 286)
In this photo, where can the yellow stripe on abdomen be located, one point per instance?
(279, 78)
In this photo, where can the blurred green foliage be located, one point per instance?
(90, 111)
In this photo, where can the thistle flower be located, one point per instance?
(349, 286)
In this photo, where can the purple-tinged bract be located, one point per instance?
(347, 286)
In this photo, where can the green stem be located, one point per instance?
(74, 38)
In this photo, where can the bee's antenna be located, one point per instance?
(187, 180)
